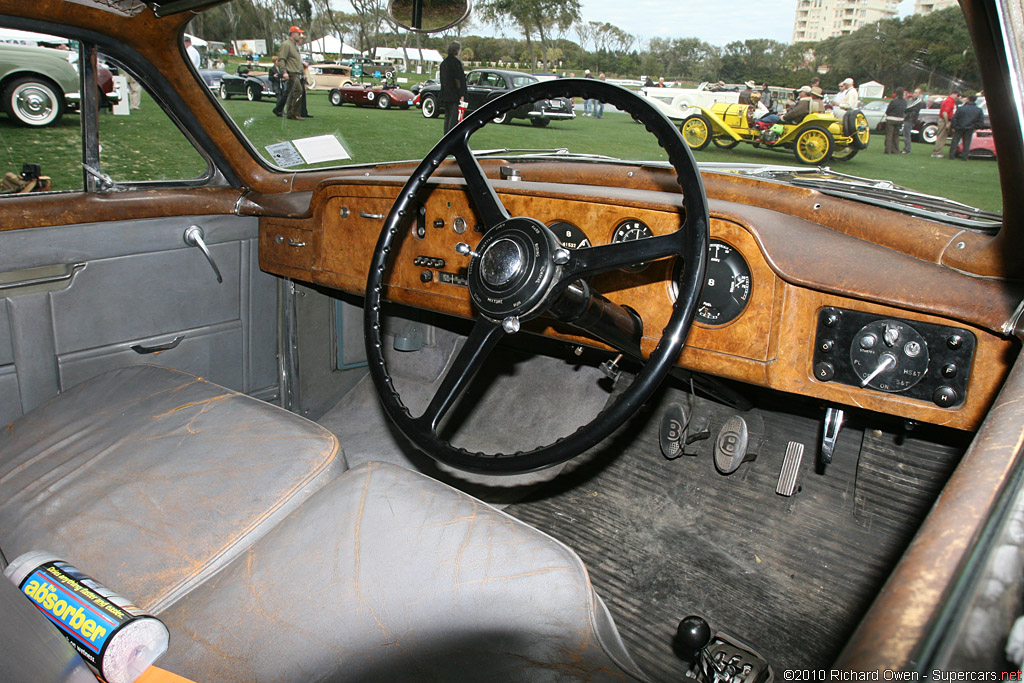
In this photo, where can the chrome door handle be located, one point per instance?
(139, 348)
(375, 216)
(194, 238)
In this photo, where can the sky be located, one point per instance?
(716, 22)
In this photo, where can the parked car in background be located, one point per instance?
(927, 125)
(983, 145)
(485, 85)
(328, 76)
(212, 78)
(251, 80)
(874, 112)
(38, 84)
(377, 95)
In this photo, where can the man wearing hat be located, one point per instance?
(804, 105)
(848, 98)
(290, 63)
(748, 88)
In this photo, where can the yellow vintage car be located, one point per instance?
(819, 137)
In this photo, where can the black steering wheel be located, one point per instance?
(519, 271)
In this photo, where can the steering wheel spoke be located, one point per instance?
(492, 211)
(478, 346)
(593, 260)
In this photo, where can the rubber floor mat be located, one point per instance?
(790, 576)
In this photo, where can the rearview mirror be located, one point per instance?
(428, 16)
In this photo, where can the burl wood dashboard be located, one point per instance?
(808, 309)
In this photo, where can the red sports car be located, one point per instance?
(983, 145)
(380, 96)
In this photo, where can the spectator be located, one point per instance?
(748, 89)
(965, 121)
(915, 102)
(895, 113)
(598, 108)
(945, 115)
(802, 108)
(453, 85)
(290, 64)
(193, 54)
(589, 105)
(848, 99)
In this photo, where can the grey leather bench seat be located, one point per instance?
(388, 575)
(151, 479)
(235, 522)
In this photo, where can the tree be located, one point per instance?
(532, 18)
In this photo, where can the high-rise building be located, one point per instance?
(928, 6)
(820, 19)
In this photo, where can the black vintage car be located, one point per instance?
(485, 85)
(251, 80)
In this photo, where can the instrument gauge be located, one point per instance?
(569, 235)
(629, 231)
(727, 285)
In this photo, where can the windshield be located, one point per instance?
(870, 90)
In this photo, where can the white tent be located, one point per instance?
(414, 54)
(15, 37)
(330, 45)
(871, 90)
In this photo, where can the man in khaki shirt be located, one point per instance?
(290, 63)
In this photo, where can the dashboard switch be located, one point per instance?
(945, 396)
(824, 371)
(427, 275)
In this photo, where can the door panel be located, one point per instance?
(135, 283)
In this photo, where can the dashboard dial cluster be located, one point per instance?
(728, 282)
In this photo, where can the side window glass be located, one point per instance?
(499, 82)
(474, 78)
(138, 141)
(40, 128)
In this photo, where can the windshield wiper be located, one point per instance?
(562, 152)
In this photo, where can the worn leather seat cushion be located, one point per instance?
(151, 479)
(387, 575)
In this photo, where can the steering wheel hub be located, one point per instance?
(515, 269)
(502, 262)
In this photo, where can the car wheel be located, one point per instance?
(336, 98)
(34, 102)
(723, 142)
(814, 145)
(252, 93)
(929, 133)
(855, 125)
(540, 123)
(383, 102)
(429, 107)
(696, 131)
(224, 94)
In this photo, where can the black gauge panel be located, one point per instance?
(913, 358)
(727, 285)
(629, 231)
(569, 235)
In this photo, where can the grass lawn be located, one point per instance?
(147, 146)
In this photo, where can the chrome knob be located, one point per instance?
(465, 249)
(510, 324)
(560, 257)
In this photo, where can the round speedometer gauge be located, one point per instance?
(727, 285)
(569, 235)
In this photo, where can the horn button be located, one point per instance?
(513, 270)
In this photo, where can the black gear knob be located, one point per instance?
(692, 635)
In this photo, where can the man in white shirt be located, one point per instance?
(848, 98)
(193, 54)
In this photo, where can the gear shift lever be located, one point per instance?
(717, 657)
